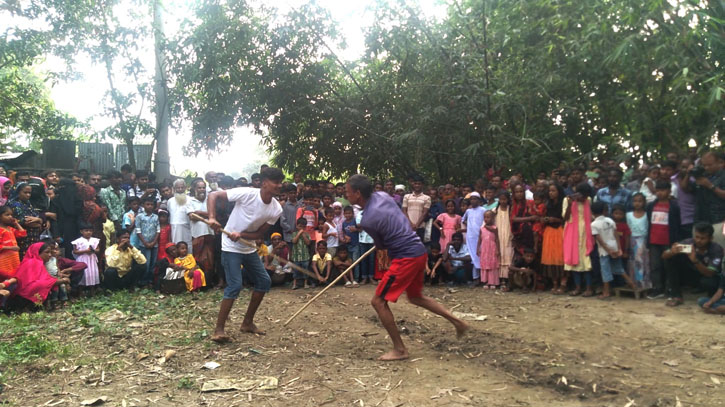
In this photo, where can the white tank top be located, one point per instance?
(332, 240)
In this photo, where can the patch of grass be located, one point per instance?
(186, 383)
(26, 337)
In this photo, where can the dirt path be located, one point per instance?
(532, 350)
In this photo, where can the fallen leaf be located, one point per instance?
(715, 380)
(141, 356)
(96, 401)
(630, 403)
(671, 363)
(563, 380)
(678, 403)
(313, 333)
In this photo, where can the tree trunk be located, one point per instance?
(131, 153)
(161, 162)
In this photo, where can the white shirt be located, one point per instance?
(249, 215)
(198, 228)
(177, 213)
(607, 230)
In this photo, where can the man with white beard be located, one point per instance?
(180, 227)
(212, 181)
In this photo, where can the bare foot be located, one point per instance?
(394, 355)
(252, 329)
(461, 329)
(220, 337)
(4, 293)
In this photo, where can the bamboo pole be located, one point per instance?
(372, 249)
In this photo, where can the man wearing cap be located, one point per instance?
(472, 221)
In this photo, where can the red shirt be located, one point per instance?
(659, 229)
(164, 238)
(623, 233)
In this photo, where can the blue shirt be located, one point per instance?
(354, 236)
(390, 228)
(148, 226)
(622, 197)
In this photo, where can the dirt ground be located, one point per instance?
(531, 350)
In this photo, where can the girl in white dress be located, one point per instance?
(85, 249)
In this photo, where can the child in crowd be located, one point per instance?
(147, 230)
(649, 188)
(638, 267)
(164, 233)
(322, 262)
(340, 263)
(129, 218)
(60, 292)
(464, 205)
(578, 240)
(351, 238)
(276, 262)
(488, 249)
(193, 275)
(300, 253)
(472, 220)
(85, 250)
(448, 223)
(109, 228)
(490, 197)
(624, 234)
(310, 214)
(7, 286)
(10, 231)
(523, 272)
(552, 251)
(505, 237)
(435, 259)
(604, 231)
(329, 231)
(664, 230)
(538, 227)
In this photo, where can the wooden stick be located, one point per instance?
(372, 249)
(198, 218)
(296, 267)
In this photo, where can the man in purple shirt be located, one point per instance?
(391, 230)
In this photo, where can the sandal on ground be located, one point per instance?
(575, 293)
(604, 297)
(504, 288)
(588, 293)
(673, 302)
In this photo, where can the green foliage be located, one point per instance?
(23, 341)
(494, 84)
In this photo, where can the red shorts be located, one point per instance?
(403, 275)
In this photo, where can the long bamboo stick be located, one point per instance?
(372, 249)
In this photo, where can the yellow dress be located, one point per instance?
(191, 268)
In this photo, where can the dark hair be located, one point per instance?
(417, 178)
(457, 235)
(4, 209)
(126, 167)
(670, 164)
(226, 182)
(662, 184)
(327, 195)
(329, 210)
(182, 242)
(361, 183)
(584, 188)
(309, 195)
(340, 184)
(619, 207)
(451, 201)
(704, 227)
(490, 187)
(255, 175)
(528, 250)
(46, 173)
(148, 199)
(435, 245)
(636, 194)
(322, 243)
(504, 193)
(162, 212)
(22, 173)
(342, 248)
(113, 174)
(272, 174)
(309, 183)
(121, 232)
(44, 247)
(598, 208)
(132, 199)
(142, 173)
(347, 209)
(301, 221)
(85, 226)
(619, 171)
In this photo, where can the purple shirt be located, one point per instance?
(390, 229)
(686, 200)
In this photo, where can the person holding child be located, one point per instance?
(604, 231)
